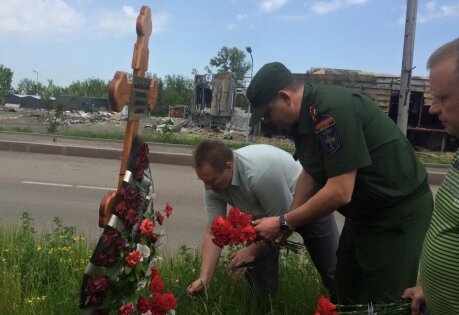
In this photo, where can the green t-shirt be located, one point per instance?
(440, 256)
(340, 131)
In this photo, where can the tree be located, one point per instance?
(89, 87)
(174, 90)
(232, 60)
(28, 87)
(55, 109)
(6, 76)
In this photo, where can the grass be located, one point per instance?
(193, 140)
(15, 129)
(41, 273)
(184, 139)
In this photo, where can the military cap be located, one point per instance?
(263, 88)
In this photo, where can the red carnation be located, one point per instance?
(161, 303)
(159, 217)
(106, 260)
(98, 284)
(131, 196)
(248, 233)
(133, 258)
(325, 307)
(143, 304)
(121, 210)
(143, 150)
(112, 238)
(222, 231)
(146, 227)
(154, 272)
(238, 218)
(126, 309)
(94, 299)
(168, 210)
(156, 284)
(131, 216)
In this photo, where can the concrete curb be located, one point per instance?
(436, 173)
(92, 152)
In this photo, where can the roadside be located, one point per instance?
(36, 140)
(111, 149)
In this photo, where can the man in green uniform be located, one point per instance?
(440, 256)
(365, 168)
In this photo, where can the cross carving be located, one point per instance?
(140, 95)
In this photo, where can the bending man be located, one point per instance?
(260, 180)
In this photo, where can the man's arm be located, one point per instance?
(210, 254)
(336, 193)
(246, 255)
(305, 189)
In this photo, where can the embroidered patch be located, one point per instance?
(326, 129)
(324, 122)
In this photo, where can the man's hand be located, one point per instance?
(241, 257)
(416, 294)
(197, 286)
(268, 228)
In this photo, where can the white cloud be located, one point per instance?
(119, 22)
(291, 18)
(268, 6)
(325, 7)
(160, 22)
(38, 19)
(432, 11)
(240, 18)
(122, 22)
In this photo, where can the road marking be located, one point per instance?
(65, 185)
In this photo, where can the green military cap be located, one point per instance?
(263, 88)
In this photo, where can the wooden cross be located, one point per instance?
(140, 95)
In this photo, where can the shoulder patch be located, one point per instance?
(326, 129)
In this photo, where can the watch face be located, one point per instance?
(285, 228)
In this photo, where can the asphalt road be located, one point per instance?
(71, 188)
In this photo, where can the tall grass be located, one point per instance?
(41, 273)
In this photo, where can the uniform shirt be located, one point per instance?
(440, 257)
(340, 131)
(263, 183)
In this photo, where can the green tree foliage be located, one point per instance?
(6, 76)
(89, 87)
(28, 87)
(232, 60)
(55, 109)
(173, 90)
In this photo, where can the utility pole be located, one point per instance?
(249, 50)
(37, 79)
(407, 65)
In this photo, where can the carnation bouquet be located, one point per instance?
(121, 277)
(237, 229)
(325, 307)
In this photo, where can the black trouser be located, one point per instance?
(321, 239)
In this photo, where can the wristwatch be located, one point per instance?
(283, 226)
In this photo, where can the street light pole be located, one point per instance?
(249, 50)
(37, 79)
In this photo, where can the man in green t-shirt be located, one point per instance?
(440, 255)
(365, 168)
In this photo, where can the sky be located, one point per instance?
(74, 40)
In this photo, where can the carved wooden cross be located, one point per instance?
(140, 95)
